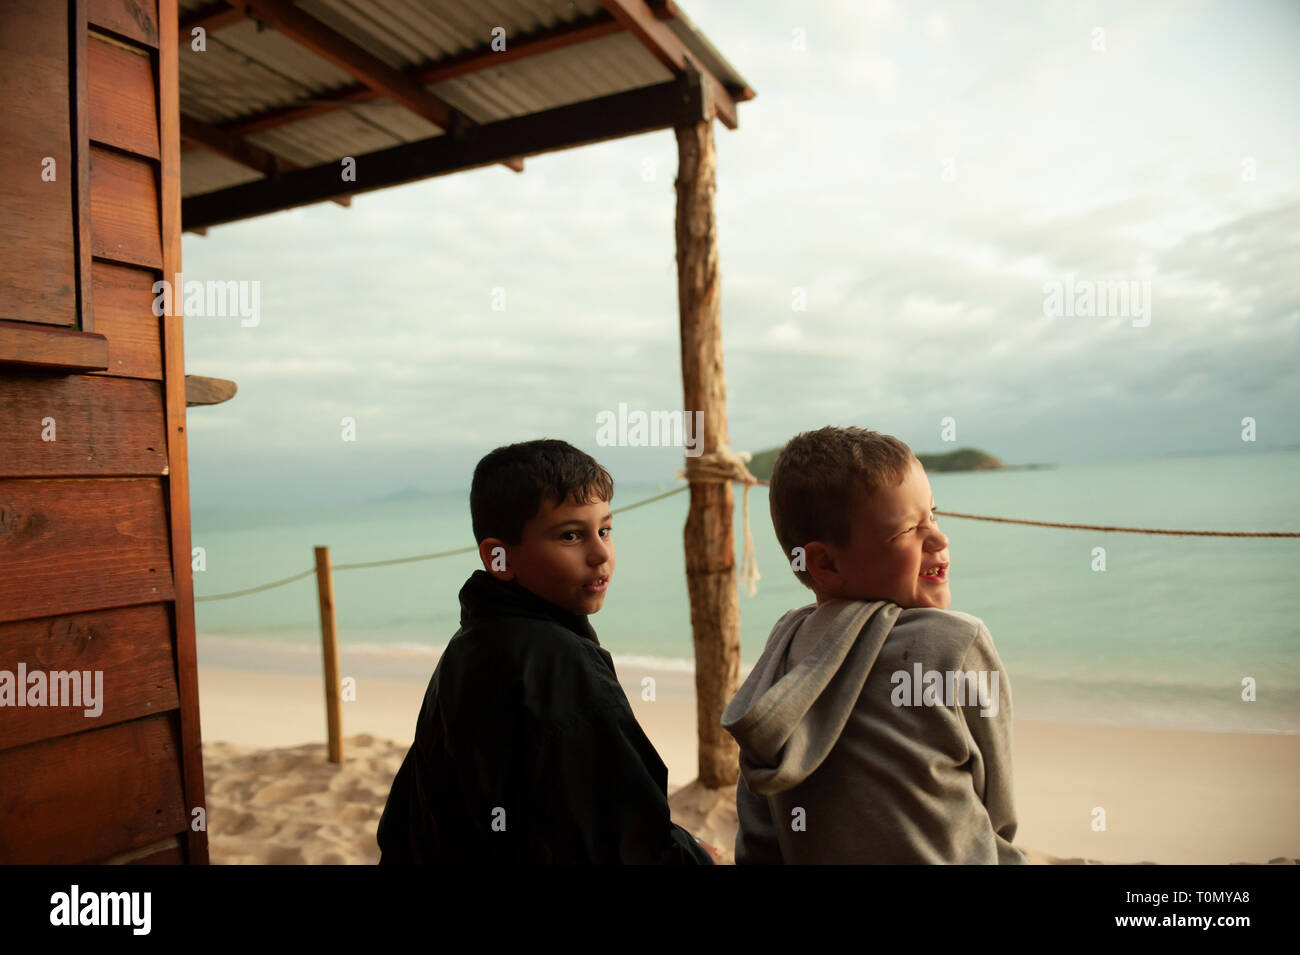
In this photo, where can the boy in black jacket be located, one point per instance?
(526, 749)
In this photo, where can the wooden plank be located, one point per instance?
(133, 19)
(123, 112)
(200, 390)
(38, 273)
(131, 649)
(81, 156)
(124, 209)
(82, 798)
(31, 345)
(124, 315)
(78, 425)
(178, 482)
(81, 544)
(608, 117)
(171, 851)
(639, 20)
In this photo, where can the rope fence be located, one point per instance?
(1105, 528)
(1121, 530)
(407, 560)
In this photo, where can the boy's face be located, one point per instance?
(894, 541)
(565, 555)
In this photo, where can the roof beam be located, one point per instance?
(640, 20)
(217, 16)
(370, 70)
(678, 102)
(240, 150)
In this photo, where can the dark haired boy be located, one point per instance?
(876, 725)
(526, 749)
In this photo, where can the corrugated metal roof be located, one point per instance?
(248, 70)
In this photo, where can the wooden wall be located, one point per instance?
(94, 524)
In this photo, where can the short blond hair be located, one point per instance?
(822, 476)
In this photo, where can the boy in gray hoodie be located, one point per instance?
(876, 725)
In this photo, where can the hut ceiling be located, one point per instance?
(283, 93)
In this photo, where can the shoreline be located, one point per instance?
(1158, 787)
(413, 665)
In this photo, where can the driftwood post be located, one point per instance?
(329, 636)
(710, 545)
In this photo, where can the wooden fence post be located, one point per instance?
(330, 645)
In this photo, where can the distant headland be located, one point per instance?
(962, 459)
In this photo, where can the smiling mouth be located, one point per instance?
(937, 573)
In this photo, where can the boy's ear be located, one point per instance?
(492, 552)
(821, 566)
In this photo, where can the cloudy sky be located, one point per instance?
(921, 172)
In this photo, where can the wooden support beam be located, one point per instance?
(178, 481)
(608, 117)
(639, 19)
(709, 537)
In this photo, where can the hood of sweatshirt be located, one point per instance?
(792, 707)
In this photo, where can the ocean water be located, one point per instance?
(1164, 636)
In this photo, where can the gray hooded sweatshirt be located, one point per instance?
(853, 751)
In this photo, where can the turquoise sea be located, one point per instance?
(1164, 636)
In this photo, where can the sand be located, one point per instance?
(1169, 796)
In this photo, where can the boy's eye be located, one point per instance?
(933, 520)
(606, 531)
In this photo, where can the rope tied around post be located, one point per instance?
(722, 466)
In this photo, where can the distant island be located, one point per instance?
(405, 494)
(962, 459)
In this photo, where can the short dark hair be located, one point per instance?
(510, 483)
(821, 476)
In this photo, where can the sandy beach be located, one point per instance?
(1169, 796)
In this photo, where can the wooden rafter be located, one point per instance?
(637, 17)
(332, 46)
(460, 64)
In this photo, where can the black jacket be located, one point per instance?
(526, 750)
